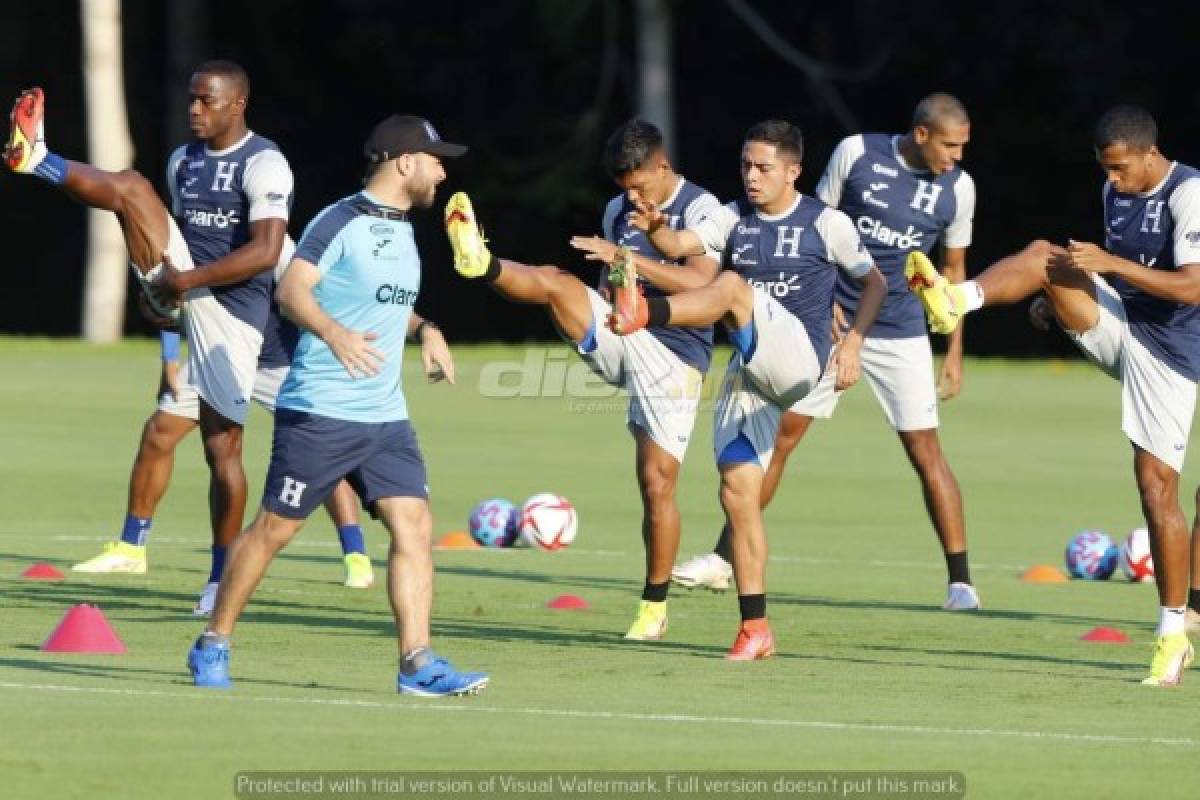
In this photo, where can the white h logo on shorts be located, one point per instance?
(292, 490)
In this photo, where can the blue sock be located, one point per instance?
(745, 339)
(218, 564)
(351, 537)
(53, 169)
(136, 530)
(588, 343)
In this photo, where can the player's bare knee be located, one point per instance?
(657, 485)
(735, 496)
(1159, 492)
(134, 189)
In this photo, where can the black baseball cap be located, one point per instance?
(401, 133)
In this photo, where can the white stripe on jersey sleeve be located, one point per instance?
(842, 245)
(172, 187)
(700, 207)
(714, 228)
(268, 185)
(829, 188)
(1184, 204)
(608, 223)
(958, 232)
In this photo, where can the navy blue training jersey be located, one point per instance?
(688, 204)
(215, 196)
(895, 210)
(1159, 229)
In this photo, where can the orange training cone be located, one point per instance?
(83, 629)
(1107, 635)
(1043, 573)
(457, 540)
(42, 571)
(567, 602)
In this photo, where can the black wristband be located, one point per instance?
(421, 326)
(658, 312)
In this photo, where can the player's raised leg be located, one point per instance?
(564, 295)
(143, 217)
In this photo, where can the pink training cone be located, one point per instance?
(83, 629)
(567, 602)
(1108, 635)
(42, 571)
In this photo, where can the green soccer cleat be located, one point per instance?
(471, 256)
(359, 574)
(116, 557)
(650, 625)
(1173, 654)
(944, 302)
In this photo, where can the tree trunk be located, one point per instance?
(109, 148)
(655, 91)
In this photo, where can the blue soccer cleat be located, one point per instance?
(440, 679)
(209, 664)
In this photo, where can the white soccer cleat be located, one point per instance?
(707, 571)
(116, 557)
(207, 601)
(962, 597)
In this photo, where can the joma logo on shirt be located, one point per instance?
(390, 294)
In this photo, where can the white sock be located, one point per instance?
(1170, 620)
(973, 292)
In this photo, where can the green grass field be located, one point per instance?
(871, 674)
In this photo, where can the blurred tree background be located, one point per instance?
(534, 86)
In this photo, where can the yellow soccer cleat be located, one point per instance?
(945, 304)
(116, 557)
(471, 256)
(650, 625)
(26, 145)
(359, 574)
(1173, 654)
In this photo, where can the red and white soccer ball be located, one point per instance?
(548, 522)
(1136, 562)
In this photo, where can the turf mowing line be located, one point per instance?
(823, 562)
(467, 706)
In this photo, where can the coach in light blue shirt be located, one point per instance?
(341, 412)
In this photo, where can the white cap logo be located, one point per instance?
(433, 135)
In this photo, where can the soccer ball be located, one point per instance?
(494, 522)
(1092, 556)
(548, 522)
(1136, 561)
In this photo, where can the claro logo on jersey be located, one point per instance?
(909, 239)
(778, 288)
(212, 219)
(390, 294)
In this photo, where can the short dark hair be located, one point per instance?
(786, 137)
(630, 146)
(937, 109)
(1129, 125)
(227, 69)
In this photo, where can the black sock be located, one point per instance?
(752, 606)
(493, 271)
(655, 592)
(956, 565)
(659, 310)
(1194, 600)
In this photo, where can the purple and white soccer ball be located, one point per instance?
(495, 522)
(1092, 556)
